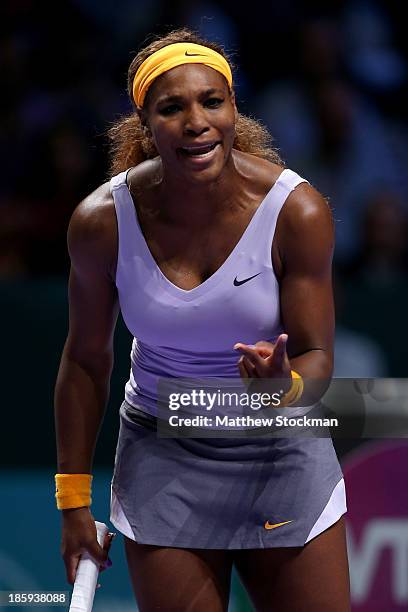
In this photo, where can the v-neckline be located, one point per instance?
(189, 294)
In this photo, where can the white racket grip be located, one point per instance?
(86, 577)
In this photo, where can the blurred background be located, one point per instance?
(330, 81)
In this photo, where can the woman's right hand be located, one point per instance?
(79, 536)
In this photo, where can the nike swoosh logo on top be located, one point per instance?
(194, 54)
(237, 283)
(269, 526)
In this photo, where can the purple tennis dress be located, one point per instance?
(220, 493)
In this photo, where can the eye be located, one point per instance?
(170, 109)
(213, 102)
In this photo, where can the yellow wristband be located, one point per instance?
(295, 392)
(73, 490)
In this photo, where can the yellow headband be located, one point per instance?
(174, 55)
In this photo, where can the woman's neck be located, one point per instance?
(195, 201)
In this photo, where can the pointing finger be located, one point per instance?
(281, 342)
(279, 351)
(250, 352)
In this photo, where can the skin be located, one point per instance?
(192, 216)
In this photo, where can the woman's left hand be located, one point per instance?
(264, 359)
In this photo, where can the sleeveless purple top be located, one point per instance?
(191, 333)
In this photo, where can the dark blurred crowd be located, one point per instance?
(331, 83)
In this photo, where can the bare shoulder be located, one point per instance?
(145, 177)
(267, 172)
(305, 210)
(304, 205)
(262, 173)
(304, 237)
(94, 215)
(92, 232)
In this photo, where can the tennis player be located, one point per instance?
(219, 258)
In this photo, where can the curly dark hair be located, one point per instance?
(129, 144)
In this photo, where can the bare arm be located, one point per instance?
(306, 242)
(82, 386)
(302, 258)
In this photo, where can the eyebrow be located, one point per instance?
(179, 98)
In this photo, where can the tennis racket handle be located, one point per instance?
(86, 577)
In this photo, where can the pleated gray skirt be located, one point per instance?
(222, 493)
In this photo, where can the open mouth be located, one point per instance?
(199, 151)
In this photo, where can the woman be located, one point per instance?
(207, 243)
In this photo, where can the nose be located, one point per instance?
(196, 121)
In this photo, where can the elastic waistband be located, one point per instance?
(138, 416)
